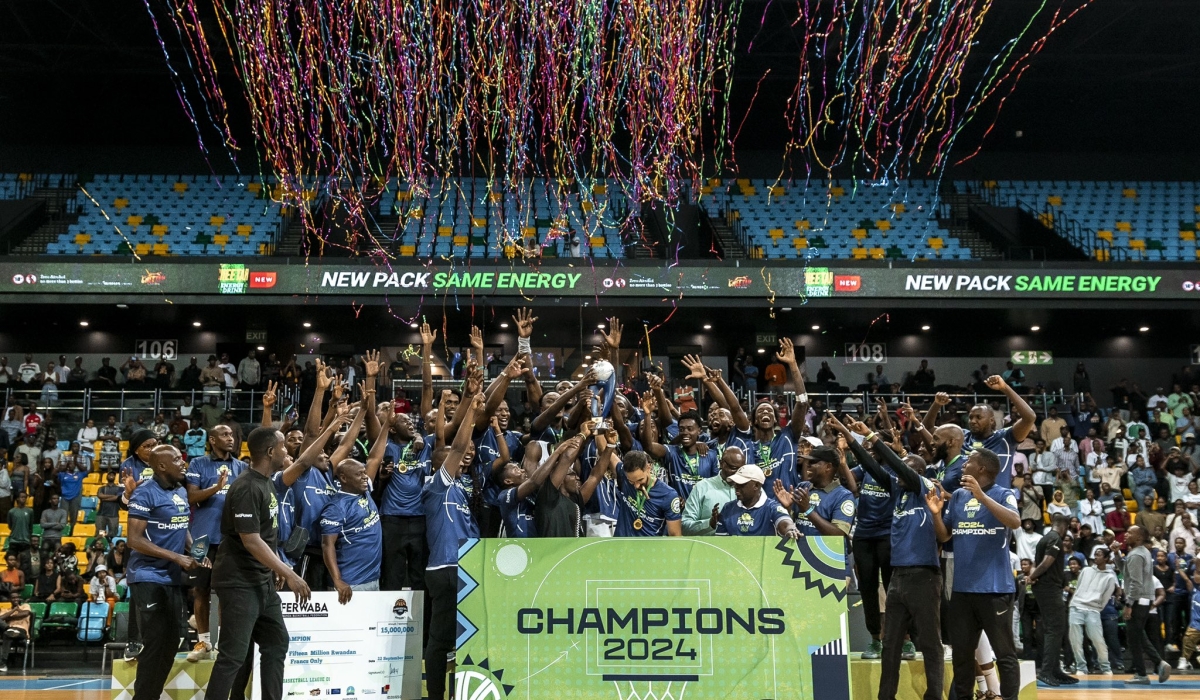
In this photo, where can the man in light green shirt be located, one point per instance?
(711, 494)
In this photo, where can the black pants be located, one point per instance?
(315, 573)
(405, 552)
(913, 599)
(990, 614)
(241, 683)
(249, 615)
(6, 641)
(1140, 645)
(1030, 632)
(1176, 611)
(873, 560)
(1053, 628)
(443, 627)
(158, 609)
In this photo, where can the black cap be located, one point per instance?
(823, 454)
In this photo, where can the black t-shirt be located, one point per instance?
(554, 514)
(1050, 546)
(250, 506)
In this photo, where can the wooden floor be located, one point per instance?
(1092, 688)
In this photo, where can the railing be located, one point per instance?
(865, 403)
(76, 406)
(1078, 235)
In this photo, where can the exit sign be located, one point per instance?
(1032, 357)
(764, 339)
(256, 336)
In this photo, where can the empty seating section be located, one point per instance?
(1146, 220)
(463, 217)
(20, 185)
(851, 220)
(171, 215)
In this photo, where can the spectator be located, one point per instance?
(1081, 381)
(109, 511)
(1058, 504)
(110, 445)
(103, 586)
(1117, 522)
(28, 372)
(1045, 469)
(271, 369)
(12, 575)
(1114, 427)
(135, 374)
(1028, 537)
(47, 581)
(20, 524)
(1093, 590)
(69, 476)
(249, 371)
(1031, 502)
(212, 377)
(14, 627)
(825, 375)
(186, 408)
(6, 493)
(6, 373)
(1052, 426)
(923, 379)
(228, 372)
(1142, 479)
(1191, 500)
(776, 374)
(1015, 376)
(189, 378)
(118, 557)
(1183, 528)
(87, 437)
(49, 383)
(178, 425)
(1179, 401)
(69, 589)
(164, 373)
(194, 440)
(33, 420)
(54, 521)
(160, 428)
(1158, 401)
(1091, 512)
(77, 376)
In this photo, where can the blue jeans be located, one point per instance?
(1081, 621)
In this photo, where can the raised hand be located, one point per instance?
(428, 335)
(338, 390)
(995, 383)
(477, 402)
(787, 352)
(222, 480)
(613, 337)
(515, 367)
(800, 496)
(386, 412)
(589, 377)
(907, 410)
(697, 368)
(477, 343)
(269, 396)
(941, 398)
(323, 377)
(654, 380)
(524, 320)
(371, 361)
(933, 501)
(782, 495)
(474, 379)
(859, 427)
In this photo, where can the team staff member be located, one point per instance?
(246, 569)
(647, 506)
(981, 431)
(159, 538)
(825, 507)
(712, 494)
(752, 513)
(208, 479)
(448, 524)
(979, 517)
(1048, 582)
(351, 535)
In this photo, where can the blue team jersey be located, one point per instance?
(517, 514)
(876, 505)
(203, 473)
(777, 458)
(166, 514)
(448, 519)
(914, 540)
(1181, 585)
(354, 520)
(733, 439)
(836, 505)
(759, 520)
(605, 500)
(1195, 619)
(981, 563)
(685, 471)
(949, 475)
(402, 495)
(651, 510)
(487, 451)
(70, 484)
(551, 436)
(310, 494)
(286, 515)
(1002, 443)
(135, 467)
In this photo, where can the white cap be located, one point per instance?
(814, 441)
(748, 473)
(101, 568)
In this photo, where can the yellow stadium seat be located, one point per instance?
(94, 477)
(528, 231)
(1196, 208)
(254, 187)
(121, 203)
(716, 182)
(90, 489)
(496, 197)
(599, 189)
(403, 196)
(479, 222)
(308, 195)
(706, 189)
(244, 230)
(220, 239)
(1187, 235)
(1102, 255)
(778, 191)
(877, 253)
(180, 187)
(775, 233)
(460, 240)
(596, 241)
(5, 605)
(735, 214)
(510, 251)
(1124, 226)
(1046, 219)
(1054, 200)
(82, 238)
(859, 253)
(838, 191)
(4, 530)
(1129, 193)
(803, 225)
(161, 249)
(749, 191)
(408, 250)
(216, 220)
(1198, 253)
(859, 233)
(445, 230)
(586, 206)
(1104, 235)
(84, 530)
(416, 213)
(800, 243)
(883, 225)
(159, 230)
(1137, 244)
(990, 184)
(743, 182)
(936, 243)
(142, 249)
(899, 208)
(134, 220)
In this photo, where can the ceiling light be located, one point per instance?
(261, 348)
(587, 357)
(196, 324)
(1144, 328)
(816, 327)
(761, 350)
(83, 323)
(122, 306)
(307, 324)
(1035, 329)
(414, 325)
(504, 325)
(708, 326)
(600, 326)
(924, 328)
(786, 308)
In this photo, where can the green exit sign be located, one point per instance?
(1032, 357)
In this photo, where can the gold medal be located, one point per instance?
(637, 524)
(403, 468)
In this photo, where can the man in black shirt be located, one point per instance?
(246, 569)
(1047, 581)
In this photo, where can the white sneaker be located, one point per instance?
(948, 653)
(202, 650)
(4, 668)
(1183, 665)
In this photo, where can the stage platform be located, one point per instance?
(864, 679)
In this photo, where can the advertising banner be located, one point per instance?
(653, 618)
(274, 277)
(367, 649)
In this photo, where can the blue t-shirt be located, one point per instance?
(876, 505)
(1181, 592)
(686, 471)
(834, 506)
(286, 515)
(310, 494)
(204, 473)
(914, 540)
(487, 451)
(981, 563)
(950, 475)
(517, 514)
(139, 470)
(660, 504)
(166, 515)
(70, 484)
(777, 458)
(605, 500)
(733, 439)
(551, 436)
(354, 520)
(760, 520)
(1194, 623)
(402, 495)
(448, 519)
(1001, 442)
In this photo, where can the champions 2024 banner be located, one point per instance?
(653, 619)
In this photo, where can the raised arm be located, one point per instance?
(1008, 518)
(1026, 418)
(666, 409)
(347, 444)
(453, 462)
(787, 355)
(624, 437)
(268, 403)
(498, 389)
(935, 502)
(502, 455)
(864, 457)
(315, 449)
(606, 460)
(471, 388)
(930, 420)
(545, 417)
(428, 336)
(379, 446)
(740, 420)
(368, 391)
(649, 431)
(565, 456)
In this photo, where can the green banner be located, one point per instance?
(774, 282)
(653, 619)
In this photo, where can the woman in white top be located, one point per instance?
(1059, 505)
(87, 437)
(1091, 512)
